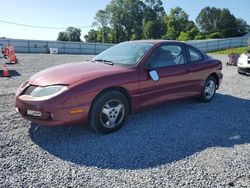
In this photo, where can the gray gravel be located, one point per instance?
(184, 144)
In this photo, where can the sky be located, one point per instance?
(80, 13)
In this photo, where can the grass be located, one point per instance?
(239, 50)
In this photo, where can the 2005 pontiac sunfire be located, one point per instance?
(121, 80)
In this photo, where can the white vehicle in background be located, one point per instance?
(244, 63)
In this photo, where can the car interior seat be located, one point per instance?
(163, 58)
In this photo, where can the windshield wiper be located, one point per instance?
(108, 62)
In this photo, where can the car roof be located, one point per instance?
(155, 41)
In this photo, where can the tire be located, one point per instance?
(241, 73)
(109, 112)
(209, 90)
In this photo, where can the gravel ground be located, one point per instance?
(184, 144)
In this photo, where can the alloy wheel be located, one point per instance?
(210, 89)
(112, 113)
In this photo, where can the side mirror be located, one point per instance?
(154, 75)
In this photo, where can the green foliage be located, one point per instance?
(130, 20)
(92, 36)
(215, 35)
(183, 36)
(189, 35)
(74, 34)
(124, 20)
(153, 19)
(239, 50)
(200, 36)
(213, 20)
(71, 34)
(63, 36)
(176, 23)
(101, 22)
(243, 27)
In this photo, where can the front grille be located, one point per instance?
(28, 90)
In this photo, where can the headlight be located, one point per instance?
(48, 92)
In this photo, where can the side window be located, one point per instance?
(167, 55)
(195, 55)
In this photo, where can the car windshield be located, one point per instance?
(126, 53)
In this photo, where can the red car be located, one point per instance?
(123, 79)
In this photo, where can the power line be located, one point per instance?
(37, 26)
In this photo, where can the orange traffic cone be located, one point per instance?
(6, 71)
(12, 56)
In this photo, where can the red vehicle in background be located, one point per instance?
(123, 79)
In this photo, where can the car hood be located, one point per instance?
(73, 72)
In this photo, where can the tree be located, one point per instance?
(125, 19)
(183, 36)
(92, 36)
(74, 34)
(129, 20)
(243, 27)
(101, 21)
(63, 36)
(227, 24)
(153, 19)
(208, 19)
(176, 23)
(149, 29)
(71, 34)
(213, 20)
(200, 36)
(189, 35)
(214, 35)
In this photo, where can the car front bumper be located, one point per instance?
(51, 116)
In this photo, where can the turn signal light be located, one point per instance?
(76, 111)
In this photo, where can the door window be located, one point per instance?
(195, 55)
(167, 55)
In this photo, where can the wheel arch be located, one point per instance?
(120, 89)
(216, 78)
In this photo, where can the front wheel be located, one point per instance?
(209, 90)
(109, 112)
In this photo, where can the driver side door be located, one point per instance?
(170, 62)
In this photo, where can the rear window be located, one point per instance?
(195, 55)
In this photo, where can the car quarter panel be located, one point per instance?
(200, 71)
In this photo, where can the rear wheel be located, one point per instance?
(209, 90)
(109, 112)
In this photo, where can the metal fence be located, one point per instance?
(219, 44)
(38, 46)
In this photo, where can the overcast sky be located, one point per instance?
(80, 13)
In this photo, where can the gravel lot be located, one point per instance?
(184, 144)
